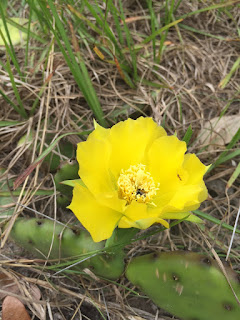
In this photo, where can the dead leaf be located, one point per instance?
(134, 19)
(218, 132)
(35, 292)
(7, 284)
(13, 309)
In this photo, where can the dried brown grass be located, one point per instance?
(191, 68)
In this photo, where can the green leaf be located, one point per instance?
(188, 135)
(72, 183)
(16, 35)
(193, 218)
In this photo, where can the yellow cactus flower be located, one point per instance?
(134, 175)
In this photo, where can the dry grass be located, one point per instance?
(190, 71)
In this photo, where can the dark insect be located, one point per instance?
(140, 193)
(179, 177)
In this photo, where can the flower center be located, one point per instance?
(136, 184)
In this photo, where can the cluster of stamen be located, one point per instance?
(136, 184)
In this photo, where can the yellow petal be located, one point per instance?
(195, 168)
(99, 220)
(165, 156)
(187, 198)
(130, 141)
(111, 200)
(93, 157)
(141, 224)
(139, 215)
(175, 215)
(136, 211)
(189, 195)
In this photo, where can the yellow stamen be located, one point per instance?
(136, 184)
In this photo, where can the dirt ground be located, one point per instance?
(198, 54)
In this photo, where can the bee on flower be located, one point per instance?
(134, 175)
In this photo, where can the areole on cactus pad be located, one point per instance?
(44, 238)
(187, 284)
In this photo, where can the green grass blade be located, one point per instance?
(154, 25)
(26, 30)
(213, 7)
(81, 17)
(10, 123)
(159, 31)
(183, 26)
(168, 17)
(79, 72)
(234, 176)
(234, 140)
(9, 47)
(116, 16)
(106, 30)
(28, 35)
(42, 90)
(41, 157)
(177, 6)
(129, 42)
(15, 107)
(229, 156)
(16, 193)
(214, 220)
(21, 109)
(188, 135)
(226, 79)
(4, 5)
(55, 142)
(36, 101)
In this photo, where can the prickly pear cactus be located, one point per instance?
(67, 170)
(188, 285)
(43, 236)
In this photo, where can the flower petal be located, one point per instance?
(139, 215)
(195, 168)
(187, 198)
(99, 220)
(130, 140)
(141, 224)
(111, 200)
(136, 211)
(93, 157)
(165, 157)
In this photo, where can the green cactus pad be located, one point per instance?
(67, 170)
(188, 285)
(41, 237)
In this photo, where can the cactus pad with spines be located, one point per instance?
(188, 285)
(44, 238)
